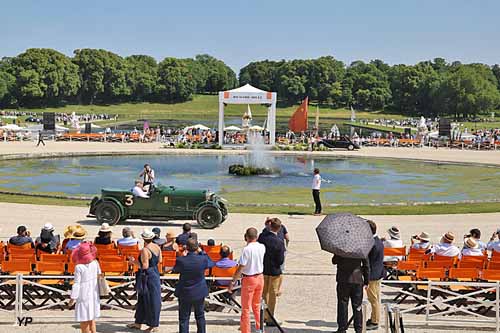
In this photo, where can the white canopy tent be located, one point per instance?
(249, 95)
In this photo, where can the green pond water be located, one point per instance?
(354, 180)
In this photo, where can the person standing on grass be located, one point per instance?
(250, 269)
(376, 260)
(40, 139)
(316, 186)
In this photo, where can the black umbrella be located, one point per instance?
(346, 235)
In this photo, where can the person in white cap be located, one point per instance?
(445, 248)
(47, 241)
(421, 242)
(471, 248)
(394, 241)
(104, 235)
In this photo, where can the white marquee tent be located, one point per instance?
(249, 95)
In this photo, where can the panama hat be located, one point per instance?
(68, 231)
(394, 232)
(79, 232)
(471, 243)
(48, 227)
(105, 227)
(170, 234)
(84, 253)
(147, 234)
(448, 237)
(424, 236)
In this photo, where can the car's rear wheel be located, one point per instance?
(108, 212)
(350, 147)
(209, 217)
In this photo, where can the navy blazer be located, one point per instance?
(376, 258)
(192, 285)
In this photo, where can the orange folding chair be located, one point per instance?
(491, 275)
(19, 266)
(218, 289)
(472, 262)
(47, 257)
(168, 260)
(435, 274)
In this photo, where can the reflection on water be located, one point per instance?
(359, 180)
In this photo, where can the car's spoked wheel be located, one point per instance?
(350, 147)
(209, 217)
(108, 212)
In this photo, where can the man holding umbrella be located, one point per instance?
(350, 239)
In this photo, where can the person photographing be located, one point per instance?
(148, 176)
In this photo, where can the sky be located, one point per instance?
(238, 32)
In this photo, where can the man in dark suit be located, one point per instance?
(273, 260)
(376, 258)
(192, 287)
(352, 274)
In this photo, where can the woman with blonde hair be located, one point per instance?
(85, 291)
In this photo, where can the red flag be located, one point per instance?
(298, 121)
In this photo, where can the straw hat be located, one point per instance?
(84, 253)
(79, 232)
(147, 234)
(424, 236)
(68, 231)
(48, 227)
(105, 227)
(471, 243)
(170, 234)
(448, 237)
(394, 232)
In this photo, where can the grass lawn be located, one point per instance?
(203, 109)
(361, 210)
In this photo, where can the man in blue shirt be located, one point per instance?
(186, 234)
(192, 287)
(22, 237)
(225, 262)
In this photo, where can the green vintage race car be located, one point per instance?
(164, 203)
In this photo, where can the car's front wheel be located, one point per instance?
(209, 217)
(108, 212)
(350, 147)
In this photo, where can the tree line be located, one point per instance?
(429, 88)
(45, 77)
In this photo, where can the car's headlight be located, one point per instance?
(208, 195)
(221, 199)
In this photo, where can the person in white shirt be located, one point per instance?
(250, 269)
(138, 190)
(492, 244)
(471, 248)
(316, 186)
(394, 241)
(476, 235)
(423, 241)
(128, 238)
(445, 248)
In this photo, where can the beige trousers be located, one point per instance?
(271, 289)
(373, 293)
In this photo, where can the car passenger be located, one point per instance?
(138, 190)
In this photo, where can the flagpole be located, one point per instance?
(317, 119)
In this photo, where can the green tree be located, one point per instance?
(370, 86)
(469, 91)
(218, 75)
(44, 77)
(261, 74)
(142, 76)
(7, 83)
(175, 81)
(496, 72)
(103, 76)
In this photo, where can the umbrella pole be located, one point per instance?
(264, 308)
